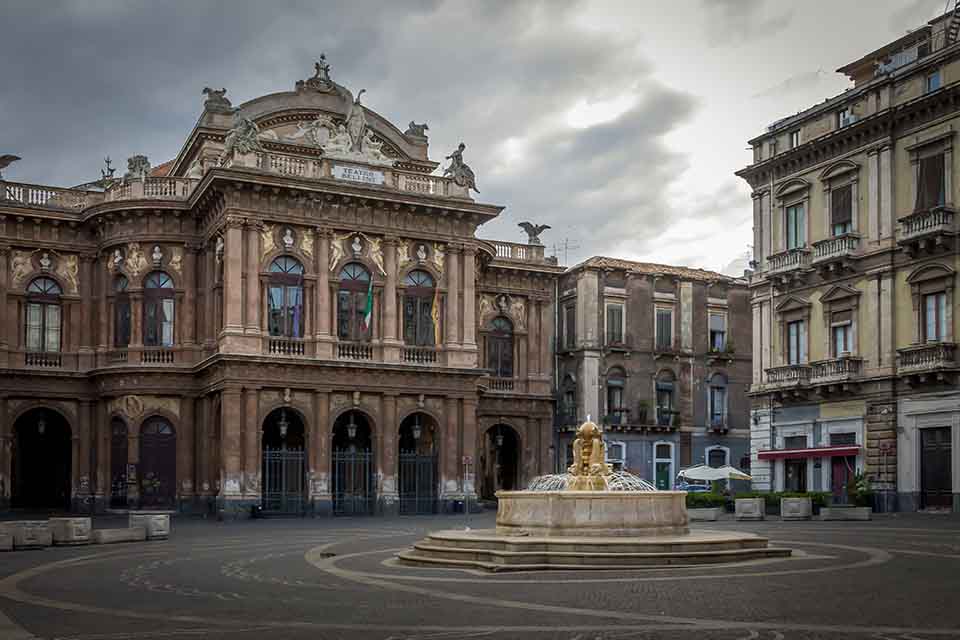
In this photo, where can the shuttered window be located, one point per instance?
(930, 183)
(718, 331)
(664, 328)
(570, 326)
(614, 324)
(841, 210)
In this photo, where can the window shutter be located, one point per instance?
(664, 320)
(930, 188)
(717, 322)
(841, 205)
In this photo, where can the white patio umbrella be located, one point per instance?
(704, 472)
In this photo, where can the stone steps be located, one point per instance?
(479, 550)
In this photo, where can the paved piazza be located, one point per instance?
(895, 577)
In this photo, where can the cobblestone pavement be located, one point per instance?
(897, 577)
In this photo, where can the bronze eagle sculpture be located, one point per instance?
(533, 231)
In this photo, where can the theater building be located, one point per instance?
(295, 312)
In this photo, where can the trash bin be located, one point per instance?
(256, 511)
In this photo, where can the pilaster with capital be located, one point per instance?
(251, 444)
(322, 310)
(453, 296)
(233, 275)
(186, 480)
(4, 263)
(231, 445)
(469, 298)
(251, 276)
(387, 460)
(468, 481)
(190, 252)
(391, 341)
(318, 450)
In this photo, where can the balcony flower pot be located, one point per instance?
(708, 514)
(749, 508)
(796, 508)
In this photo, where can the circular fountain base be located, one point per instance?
(492, 551)
(591, 513)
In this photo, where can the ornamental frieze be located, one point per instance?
(135, 406)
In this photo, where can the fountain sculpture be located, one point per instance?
(588, 518)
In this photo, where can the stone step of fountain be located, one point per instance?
(491, 560)
(488, 540)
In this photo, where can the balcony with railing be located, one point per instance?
(927, 230)
(516, 252)
(932, 357)
(617, 417)
(284, 346)
(502, 384)
(357, 351)
(158, 355)
(430, 356)
(842, 369)
(788, 261)
(44, 360)
(791, 375)
(44, 197)
(151, 188)
(838, 249)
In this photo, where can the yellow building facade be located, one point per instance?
(855, 263)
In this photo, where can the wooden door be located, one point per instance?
(936, 488)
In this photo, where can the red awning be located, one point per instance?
(813, 452)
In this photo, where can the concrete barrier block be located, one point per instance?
(156, 524)
(28, 534)
(846, 513)
(109, 536)
(796, 508)
(70, 531)
(708, 514)
(749, 508)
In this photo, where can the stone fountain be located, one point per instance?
(588, 518)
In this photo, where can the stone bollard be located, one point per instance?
(157, 525)
(796, 508)
(28, 534)
(70, 531)
(750, 508)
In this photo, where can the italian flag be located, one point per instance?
(368, 308)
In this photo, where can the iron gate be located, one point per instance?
(353, 488)
(283, 481)
(418, 483)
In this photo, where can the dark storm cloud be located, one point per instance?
(82, 80)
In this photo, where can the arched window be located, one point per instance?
(285, 298)
(665, 399)
(158, 310)
(121, 312)
(717, 400)
(500, 348)
(355, 303)
(43, 315)
(421, 310)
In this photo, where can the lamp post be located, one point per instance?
(283, 424)
(351, 428)
(416, 427)
(41, 426)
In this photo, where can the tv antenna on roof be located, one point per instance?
(564, 246)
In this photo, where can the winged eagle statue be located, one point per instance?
(533, 231)
(6, 160)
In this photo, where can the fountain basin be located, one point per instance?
(591, 513)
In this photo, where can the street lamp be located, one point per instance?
(499, 437)
(351, 428)
(283, 424)
(41, 426)
(416, 427)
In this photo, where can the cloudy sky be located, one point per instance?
(617, 122)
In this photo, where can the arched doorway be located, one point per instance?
(158, 464)
(283, 467)
(352, 465)
(501, 461)
(41, 461)
(118, 463)
(417, 464)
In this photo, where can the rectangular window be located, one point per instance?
(935, 317)
(718, 406)
(615, 323)
(718, 331)
(794, 139)
(841, 210)
(839, 439)
(52, 340)
(843, 118)
(930, 183)
(796, 342)
(841, 340)
(614, 398)
(570, 326)
(664, 334)
(166, 322)
(933, 81)
(34, 327)
(569, 409)
(664, 404)
(796, 226)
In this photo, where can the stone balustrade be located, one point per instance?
(789, 260)
(419, 355)
(151, 188)
(43, 359)
(277, 346)
(841, 246)
(791, 375)
(32, 195)
(516, 252)
(157, 355)
(929, 222)
(835, 369)
(501, 384)
(926, 357)
(354, 351)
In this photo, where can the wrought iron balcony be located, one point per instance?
(842, 369)
(791, 375)
(926, 358)
(617, 417)
(788, 261)
(836, 251)
(927, 230)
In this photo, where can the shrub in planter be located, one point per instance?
(705, 500)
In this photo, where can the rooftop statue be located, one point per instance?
(533, 231)
(356, 120)
(241, 139)
(6, 160)
(320, 81)
(417, 130)
(216, 100)
(138, 167)
(460, 171)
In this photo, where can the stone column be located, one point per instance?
(469, 302)
(324, 338)
(251, 301)
(133, 463)
(450, 485)
(205, 478)
(318, 446)
(231, 447)
(190, 294)
(232, 282)
(887, 222)
(533, 337)
(387, 459)
(469, 444)
(546, 337)
(88, 313)
(105, 282)
(6, 444)
(391, 341)
(185, 452)
(84, 449)
(453, 296)
(102, 461)
(251, 446)
(209, 305)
